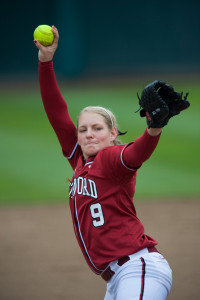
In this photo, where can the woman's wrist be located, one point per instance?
(44, 58)
(154, 131)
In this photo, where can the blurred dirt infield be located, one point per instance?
(40, 258)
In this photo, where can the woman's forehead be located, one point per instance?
(89, 118)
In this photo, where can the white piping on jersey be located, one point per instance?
(89, 163)
(69, 157)
(83, 241)
(123, 161)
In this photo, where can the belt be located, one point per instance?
(108, 273)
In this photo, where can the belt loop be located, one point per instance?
(123, 260)
(107, 274)
(152, 249)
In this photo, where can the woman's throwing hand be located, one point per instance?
(46, 53)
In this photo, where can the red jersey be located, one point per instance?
(102, 189)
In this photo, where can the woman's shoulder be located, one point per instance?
(110, 154)
(110, 161)
(112, 150)
(115, 148)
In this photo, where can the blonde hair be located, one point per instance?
(109, 118)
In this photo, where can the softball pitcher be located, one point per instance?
(109, 233)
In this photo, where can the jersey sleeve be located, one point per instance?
(120, 162)
(57, 112)
(136, 153)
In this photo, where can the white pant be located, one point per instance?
(146, 276)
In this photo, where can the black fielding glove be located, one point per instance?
(160, 102)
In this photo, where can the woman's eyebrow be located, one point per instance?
(95, 124)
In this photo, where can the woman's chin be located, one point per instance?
(92, 151)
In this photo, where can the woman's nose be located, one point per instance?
(89, 132)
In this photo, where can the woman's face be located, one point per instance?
(94, 134)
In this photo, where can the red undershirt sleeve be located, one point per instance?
(56, 108)
(138, 152)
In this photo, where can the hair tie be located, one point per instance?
(121, 133)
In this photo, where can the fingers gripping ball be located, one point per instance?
(44, 35)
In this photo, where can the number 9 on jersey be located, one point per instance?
(97, 215)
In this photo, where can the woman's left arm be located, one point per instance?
(138, 152)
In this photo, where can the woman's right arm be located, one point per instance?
(54, 104)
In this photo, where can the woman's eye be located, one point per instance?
(82, 130)
(98, 128)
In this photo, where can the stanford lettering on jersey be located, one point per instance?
(83, 186)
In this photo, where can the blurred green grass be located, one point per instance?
(33, 169)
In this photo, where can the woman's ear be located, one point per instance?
(114, 134)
